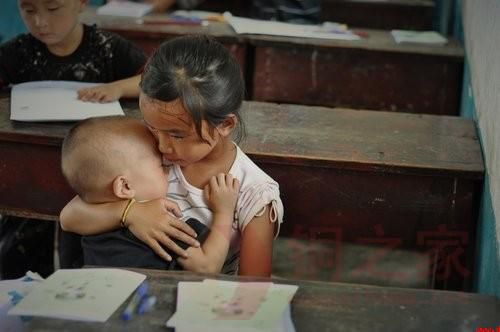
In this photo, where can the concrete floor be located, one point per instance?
(351, 263)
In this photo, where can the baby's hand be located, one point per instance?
(221, 194)
(104, 93)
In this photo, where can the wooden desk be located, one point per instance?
(375, 178)
(319, 306)
(150, 36)
(373, 73)
(389, 180)
(386, 15)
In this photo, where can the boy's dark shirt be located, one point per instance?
(102, 57)
(120, 248)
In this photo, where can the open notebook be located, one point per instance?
(55, 101)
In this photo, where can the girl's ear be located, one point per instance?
(122, 188)
(225, 128)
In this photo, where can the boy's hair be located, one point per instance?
(202, 74)
(93, 150)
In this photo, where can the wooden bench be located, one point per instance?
(372, 73)
(385, 15)
(389, 180)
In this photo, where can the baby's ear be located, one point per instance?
(225, 128)
(122, 188)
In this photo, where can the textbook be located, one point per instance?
(56, 101)
(79, 294)
(125, 8)
(216, 305)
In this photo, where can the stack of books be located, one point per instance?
(215, 305)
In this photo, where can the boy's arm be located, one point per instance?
(89, 219)
(149, 221)
(108, 92)
(221, 194)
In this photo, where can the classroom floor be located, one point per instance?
(29, 245)
(350, 263)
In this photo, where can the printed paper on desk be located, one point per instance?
(225, 306)
(285, 325)
(80, 294)
(261, 27)
(11, 292)
(125, 8)
(421, 37)
(55, 101)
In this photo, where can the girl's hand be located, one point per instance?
(221, 194)
(104, 93)
(153, 224)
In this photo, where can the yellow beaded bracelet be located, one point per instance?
(126, 211)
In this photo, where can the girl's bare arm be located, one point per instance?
(256, 253)
(221, 194)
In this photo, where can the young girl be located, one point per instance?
(192, 90)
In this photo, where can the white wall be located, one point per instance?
(481, 20)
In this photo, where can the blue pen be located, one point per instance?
(147, 303)
(134, 302)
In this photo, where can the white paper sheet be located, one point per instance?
(125, 8)
(56, 101)
(79, 294)
(421, 37)
(328, 30)
(228, 306)
(11, 291)
(286, 325)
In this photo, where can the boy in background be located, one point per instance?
(59, 47)
(114, 158)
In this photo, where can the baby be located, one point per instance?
(107, 159)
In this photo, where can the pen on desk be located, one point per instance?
(140, 293)
(362, 34)
(146, 304)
